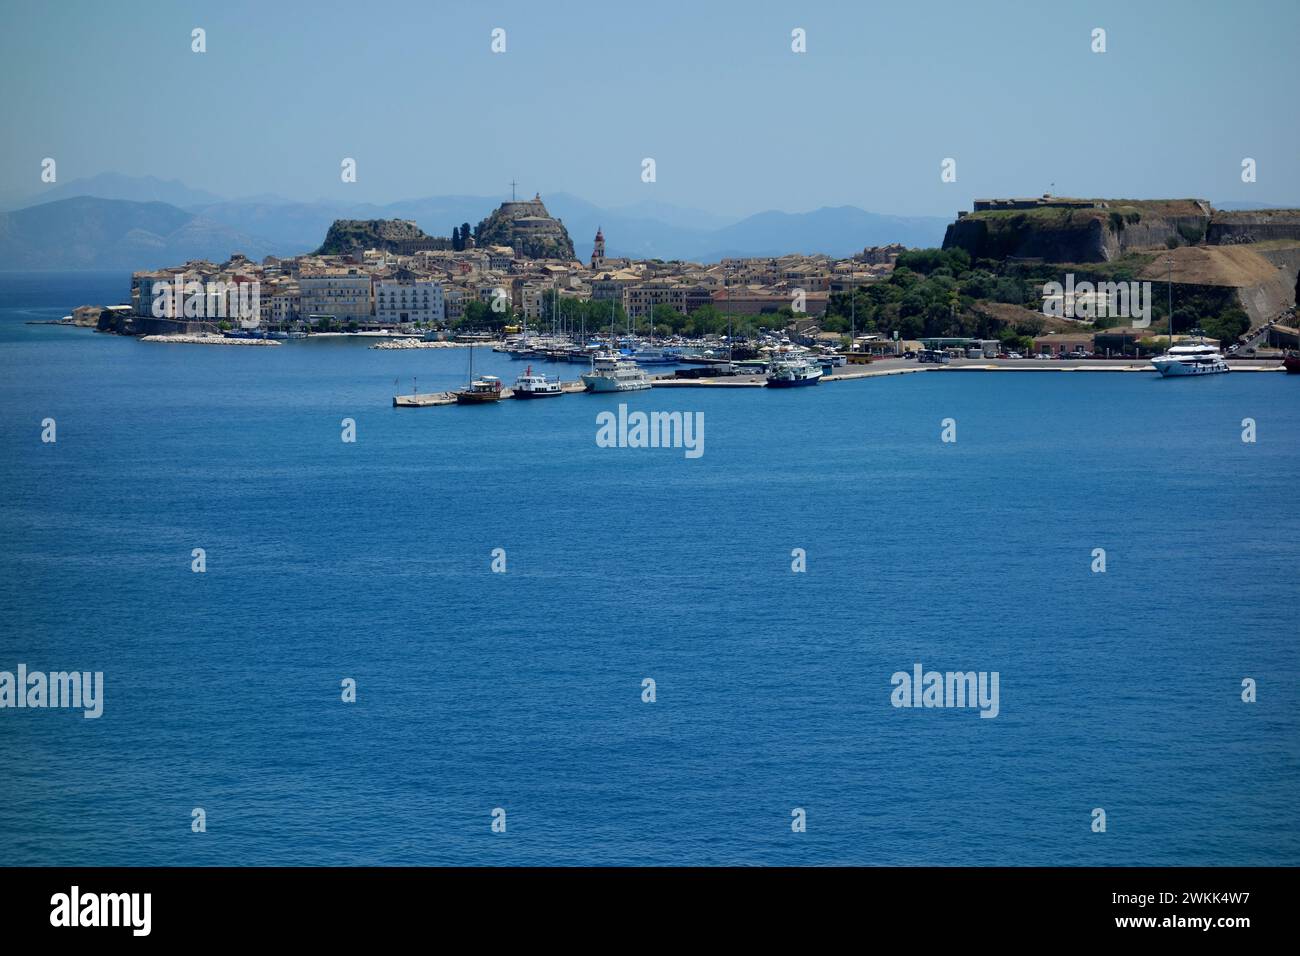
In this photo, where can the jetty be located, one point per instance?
(431, 399)
(859, 372)
(760, 381)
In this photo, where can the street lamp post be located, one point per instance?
(1169, 283)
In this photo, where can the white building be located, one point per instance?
(403, 301)
(343, 294)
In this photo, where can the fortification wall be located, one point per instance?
(1234, 228)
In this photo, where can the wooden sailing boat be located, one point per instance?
(479, 390)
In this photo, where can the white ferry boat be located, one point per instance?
(529, 385)
(611, 373)
(791, 373)
(1197, 359)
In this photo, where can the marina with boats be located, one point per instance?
(613, 365)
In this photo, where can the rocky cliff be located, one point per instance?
(390, 235)
(528, 228)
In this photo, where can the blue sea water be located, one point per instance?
(522, 690)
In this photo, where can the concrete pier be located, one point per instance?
(877, 370)
(429, 399)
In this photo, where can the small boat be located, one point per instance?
(529, 385)
(792, 373)
(1291, 361)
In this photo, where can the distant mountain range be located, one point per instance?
(113, 221)
(90, 233)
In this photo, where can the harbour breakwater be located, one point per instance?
(202, 339)
(398, 344)
(438, 399)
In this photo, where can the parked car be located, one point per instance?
(1014, 355)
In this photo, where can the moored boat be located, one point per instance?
(793, 373)
(485, 389)
(479, 390)
(529, 385)
(653, 356)
(1194, 359)
(610, 372)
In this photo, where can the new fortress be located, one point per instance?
(1250, 259)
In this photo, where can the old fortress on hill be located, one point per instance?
(386, 273)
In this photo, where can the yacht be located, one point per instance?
(1195, 359)
(610, 372)
(791, 373)
(529, 385)
(653, 356)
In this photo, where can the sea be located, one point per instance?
(569, 654)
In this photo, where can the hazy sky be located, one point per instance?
(735, 121)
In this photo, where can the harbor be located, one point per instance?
(880, 368)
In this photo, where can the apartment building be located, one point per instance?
(341, 293)
(403, 301)
(640, 300)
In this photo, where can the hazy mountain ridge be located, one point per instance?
(86, 232)
(111, 232)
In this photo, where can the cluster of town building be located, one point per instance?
(383, 288)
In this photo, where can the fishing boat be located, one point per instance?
(793, 373)
(529, 385)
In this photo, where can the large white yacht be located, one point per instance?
(610, 372)
(1193, 359)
